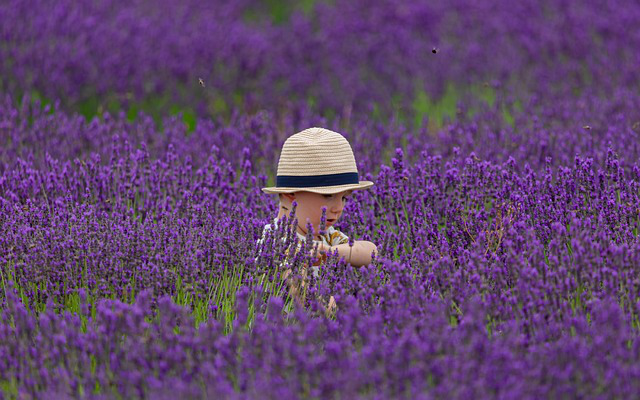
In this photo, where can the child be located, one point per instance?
(317, 169)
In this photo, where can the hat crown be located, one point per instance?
(317, 160)
(316, 151)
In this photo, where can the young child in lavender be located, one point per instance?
(317, 170)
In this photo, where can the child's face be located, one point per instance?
(310, 207)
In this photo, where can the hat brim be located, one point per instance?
(320, 190)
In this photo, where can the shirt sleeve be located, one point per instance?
(337, 237)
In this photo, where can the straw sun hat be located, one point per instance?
(317, 160)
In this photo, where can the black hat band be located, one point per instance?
(346, 178)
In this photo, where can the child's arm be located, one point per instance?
(357, 256)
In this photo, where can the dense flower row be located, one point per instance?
(340, 56)
(128, 351)
(585, 125)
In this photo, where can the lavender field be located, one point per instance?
(503, 139)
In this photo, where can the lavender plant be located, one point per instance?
(505, 207)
